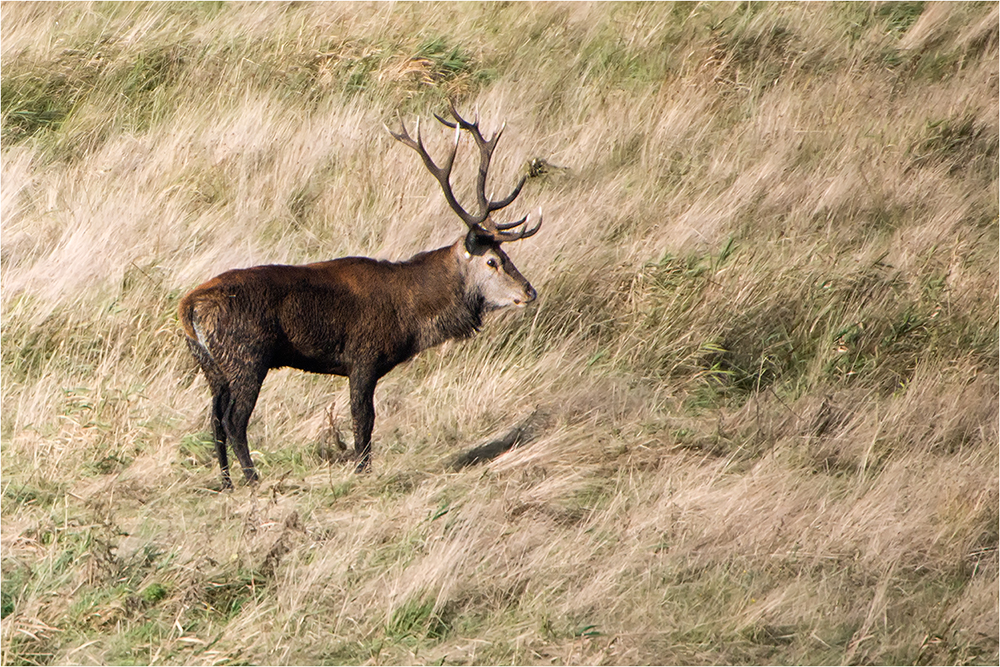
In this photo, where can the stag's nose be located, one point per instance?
(530, 294)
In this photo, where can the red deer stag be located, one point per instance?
(355, 317)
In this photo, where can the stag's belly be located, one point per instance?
(328, 328)
(315, 349)
(312, 365)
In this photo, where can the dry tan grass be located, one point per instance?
(763, 365)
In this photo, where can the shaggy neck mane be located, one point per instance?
(451, 309)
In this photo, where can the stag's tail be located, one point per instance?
(185, 312)
(199, 350)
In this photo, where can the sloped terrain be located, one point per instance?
(758, 393)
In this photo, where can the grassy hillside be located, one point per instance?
(760, 381)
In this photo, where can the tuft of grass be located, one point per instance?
(416, 619)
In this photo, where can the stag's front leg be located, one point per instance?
(362, 385)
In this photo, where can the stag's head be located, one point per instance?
(487, 269)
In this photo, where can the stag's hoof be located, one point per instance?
(225, 483)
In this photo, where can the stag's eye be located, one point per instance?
(492, 263)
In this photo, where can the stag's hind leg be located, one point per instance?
(219, 386)
(220, 404)
(244, 389)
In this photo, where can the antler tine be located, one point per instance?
(504, 226)
(507, 201)
(445, 121)
(403, 136)
(534, 230)
(472, 127)
(481, 223)
(486, 147)
(505, 237)
(442, 173)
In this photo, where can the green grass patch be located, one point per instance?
(416, 619)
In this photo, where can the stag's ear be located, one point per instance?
(476, 242)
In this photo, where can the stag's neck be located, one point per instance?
(444, 307)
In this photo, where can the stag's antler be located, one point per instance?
(481, 223)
